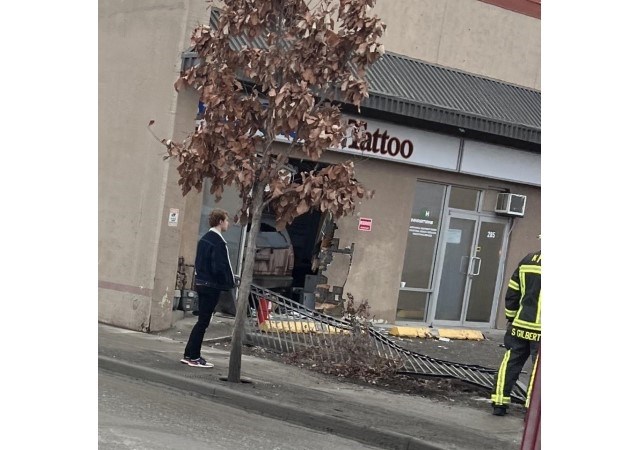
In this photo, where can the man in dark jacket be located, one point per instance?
(212, 275)
(523, 305)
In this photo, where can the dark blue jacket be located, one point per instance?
(212, 267)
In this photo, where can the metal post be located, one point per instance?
(531, 435)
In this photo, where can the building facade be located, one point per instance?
(454, 117)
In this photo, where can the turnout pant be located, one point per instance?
(207, 301)
(518, 350)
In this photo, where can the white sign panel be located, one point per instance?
(397, 143)
(401, 144)
(173, 217)
(503, 163)
(405, 145)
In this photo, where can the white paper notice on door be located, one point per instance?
(454, 236)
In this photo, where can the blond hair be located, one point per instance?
(217, 216)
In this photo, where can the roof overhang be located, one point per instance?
(412, 88)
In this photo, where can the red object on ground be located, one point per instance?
(531, 435)
(263, 310)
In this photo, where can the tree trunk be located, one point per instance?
(235, 358)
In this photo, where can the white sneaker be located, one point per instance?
(199, 362)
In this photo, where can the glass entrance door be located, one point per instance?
(470, 268)
(484, 281)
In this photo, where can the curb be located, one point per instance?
(277, 410)
(216, 340)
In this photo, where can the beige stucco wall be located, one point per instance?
(465, 34)
(139, 59)
(378, 254)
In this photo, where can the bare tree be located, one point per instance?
(296, 65)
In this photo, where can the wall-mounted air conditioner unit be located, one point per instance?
(511, 204)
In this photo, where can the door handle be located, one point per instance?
(477, 271)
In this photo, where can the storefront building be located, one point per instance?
(449, 138)
(430, 247)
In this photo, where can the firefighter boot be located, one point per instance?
(499, 410)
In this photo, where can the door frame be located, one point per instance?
(478, 217)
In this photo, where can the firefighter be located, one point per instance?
(522, 338)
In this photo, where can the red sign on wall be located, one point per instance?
(364, 224)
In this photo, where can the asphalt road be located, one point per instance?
(135, 414)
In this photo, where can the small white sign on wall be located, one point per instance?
(173, 217)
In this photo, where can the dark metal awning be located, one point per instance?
(410, 87)
(414, 88)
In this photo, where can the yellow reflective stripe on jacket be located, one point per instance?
(523, 271)
(513, 284)
(539, 307)
(510, 313)
(530, 269)
(528, 325)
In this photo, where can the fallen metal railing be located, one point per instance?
(285, 325)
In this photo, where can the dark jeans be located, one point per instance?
(207, 301)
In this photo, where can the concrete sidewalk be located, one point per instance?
(372, 416)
